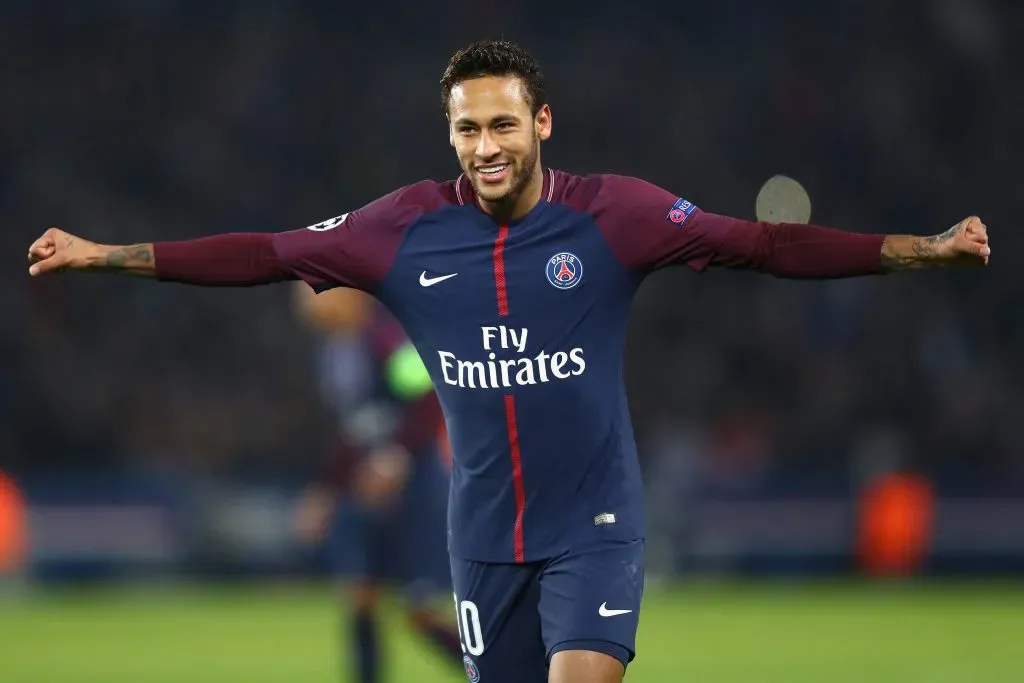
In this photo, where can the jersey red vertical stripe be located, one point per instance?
(510, 403)
(517, 475)
(499, 270)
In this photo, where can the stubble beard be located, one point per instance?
(522, 172)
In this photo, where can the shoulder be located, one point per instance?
(404, 205)
(356, 249)
(639, 220)
(609, 193)
(429, 194)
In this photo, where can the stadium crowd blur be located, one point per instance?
(150, 119)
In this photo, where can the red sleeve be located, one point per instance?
(234, 259)
(352, 250)
(355, 249)
(649, 228)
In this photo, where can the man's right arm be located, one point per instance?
(234, 259)
(352, 250)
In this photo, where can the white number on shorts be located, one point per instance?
(468, 616)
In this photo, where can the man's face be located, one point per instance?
(495, 135)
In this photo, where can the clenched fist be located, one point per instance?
(965, 244)
(57, 250)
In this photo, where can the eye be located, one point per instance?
(505, 125)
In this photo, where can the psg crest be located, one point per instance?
(471, 671)
(564, 270)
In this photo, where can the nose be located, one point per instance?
(487, 147)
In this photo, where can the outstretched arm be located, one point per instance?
(793, 250)
(236, 259)
(650, 228)
(351, 250)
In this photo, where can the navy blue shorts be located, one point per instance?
(404, 543)
(514, 617)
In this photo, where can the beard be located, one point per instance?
(521, 172)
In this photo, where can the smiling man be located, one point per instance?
(514, 282)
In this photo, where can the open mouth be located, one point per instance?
(493, 173)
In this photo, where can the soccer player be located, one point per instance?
(379, 503)
(514, 281)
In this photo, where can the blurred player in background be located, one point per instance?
(380, 502)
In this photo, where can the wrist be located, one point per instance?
(135, 259)
(94, 257)
(906, 252)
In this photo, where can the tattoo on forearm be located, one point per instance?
(905, 252)
(137, 257)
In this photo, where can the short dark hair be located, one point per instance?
(495, 58)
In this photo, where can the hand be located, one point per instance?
(382, 475)
(312, 515)
(965, 244)
(57, 250)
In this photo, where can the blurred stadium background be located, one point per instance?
(836, 470)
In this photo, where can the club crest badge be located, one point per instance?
(564, 270)
(472, 672)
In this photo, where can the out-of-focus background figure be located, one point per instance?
(380, 503)
(835, 472)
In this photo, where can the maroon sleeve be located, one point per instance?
(234, 259)
(354, 249)
(649, 228)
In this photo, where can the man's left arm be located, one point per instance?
(650, 228)
(796, 250)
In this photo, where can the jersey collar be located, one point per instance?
(467, 197)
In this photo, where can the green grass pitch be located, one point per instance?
(730, 633)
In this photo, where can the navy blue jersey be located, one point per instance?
(522, 328)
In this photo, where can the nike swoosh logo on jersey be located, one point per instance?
(605, 612)
(429, 281)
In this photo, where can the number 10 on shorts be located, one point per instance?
(471, 635)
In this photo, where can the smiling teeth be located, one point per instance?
(493, 169)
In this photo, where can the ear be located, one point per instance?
(451, 135)
(542, 122)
